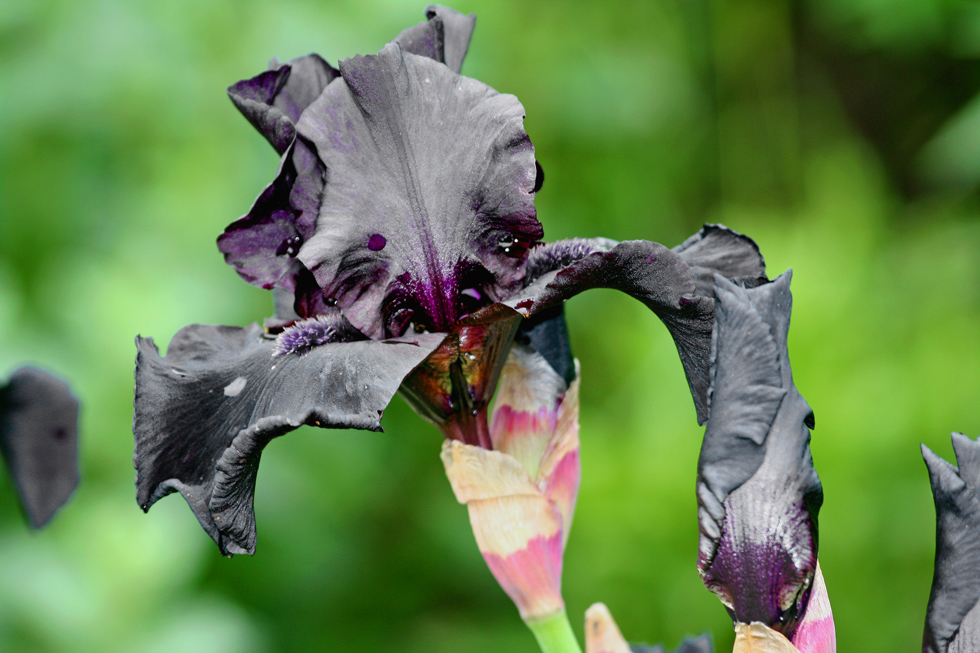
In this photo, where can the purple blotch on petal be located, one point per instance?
(377, 242)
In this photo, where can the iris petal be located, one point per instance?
(664, 280)
(444, 37)
(39, 440)
(273, 100)
(437, 164)
(204, 412)
(953, 615)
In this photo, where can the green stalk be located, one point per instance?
(554, 634)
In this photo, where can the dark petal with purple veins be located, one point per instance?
(39, 441)
(716, 249)
(204, 412)
(263, 245)
(700, 644)
(757, 490)
(438, 164)
(273, 101)
(953, 615)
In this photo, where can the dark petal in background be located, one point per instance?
(664, 281)
(39, 440)
(204, 412)
(430, 174)
(547, 332)
(953, 615)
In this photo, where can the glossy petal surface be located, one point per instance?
(953, 615)
(39, 440)
(205, 411)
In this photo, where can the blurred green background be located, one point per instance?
(843, 135)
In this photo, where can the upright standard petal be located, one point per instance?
(263, 244)
(666, 281)
(953, 615)
(39, 440)
(204, 412)
(430, 197)
(758, 492)
(444, 36)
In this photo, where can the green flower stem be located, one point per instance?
(554, 634)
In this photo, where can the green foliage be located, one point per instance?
(122, 160)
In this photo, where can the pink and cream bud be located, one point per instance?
(521, 495)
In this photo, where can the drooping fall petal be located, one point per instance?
(39, 441)
(204, 412)
(669, 282)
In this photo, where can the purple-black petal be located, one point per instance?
(758, 492)
(273, 100)
(700, 644)
(437, 164)
(662, 279)
(39, 441)
(953, 614)
(263, 244)
(444, 36)
(204, 412)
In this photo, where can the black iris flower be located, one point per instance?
(402, 242)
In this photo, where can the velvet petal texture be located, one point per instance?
(430, 192)
(39, 440)
(953, 614)
(602, 635)
(757, 489)
(668, 282)
(205, 411)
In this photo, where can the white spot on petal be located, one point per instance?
(236, 386)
